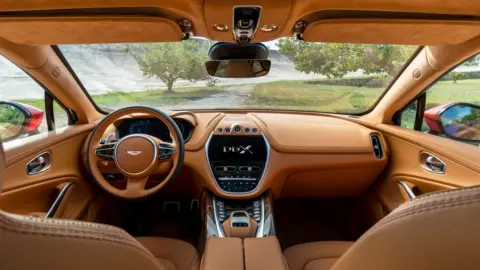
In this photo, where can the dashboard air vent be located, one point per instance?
(377, 146)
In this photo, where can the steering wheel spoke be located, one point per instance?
(136, 185)
(166, 150)
(106, 151)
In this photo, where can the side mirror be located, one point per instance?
(238, 68)
(460, 121)
(17, 119)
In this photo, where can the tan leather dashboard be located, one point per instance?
(313, 134)
(309, 155)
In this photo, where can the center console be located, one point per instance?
(239, 218)
(238, 154)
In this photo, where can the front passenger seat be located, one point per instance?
(438, 231)
(55, 244)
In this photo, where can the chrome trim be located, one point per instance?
(211, 227)
(110, 138)
(240, 211)
(217, 222)
(53, 209)
(260, 229)
(207, 144)
(155, 153)
(424, 165)
(409, 192)
(48, 163)
(269, 226)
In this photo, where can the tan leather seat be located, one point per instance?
(32, 243)
(315, 255)
(438, 231)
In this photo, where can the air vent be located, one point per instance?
(377, 146)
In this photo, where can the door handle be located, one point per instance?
(432, 163)
(58, 201)
(39, 164)
(406, 188)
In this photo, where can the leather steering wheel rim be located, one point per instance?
(145, 160)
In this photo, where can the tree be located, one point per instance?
(170, 61)
(456, 76)
(337, 59)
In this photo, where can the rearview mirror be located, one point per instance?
(461, 121)
(17, 119)
(238, 68)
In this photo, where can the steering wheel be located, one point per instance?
(136, 156)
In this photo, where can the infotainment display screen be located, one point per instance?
(237, 149)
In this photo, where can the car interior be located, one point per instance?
(331, 134)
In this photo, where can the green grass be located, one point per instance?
(302, 95)
(448, 91)
(38, 103)
(154, 97)
(151, 97)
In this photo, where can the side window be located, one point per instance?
(60, 115)
(449, 108)
(25, 106)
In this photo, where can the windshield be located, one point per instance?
(321, 77)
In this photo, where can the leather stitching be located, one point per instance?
(433, 205)
(427, 208)
(80, 230)
(445, 193)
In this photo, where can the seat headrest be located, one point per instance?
(239, 69)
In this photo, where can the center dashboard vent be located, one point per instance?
(377, 146)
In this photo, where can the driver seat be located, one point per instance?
(32, 243)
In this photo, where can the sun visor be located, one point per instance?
(86, 30)
(392, 31)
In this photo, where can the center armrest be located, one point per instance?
(251, 254)
(263, 253)
(223, 253)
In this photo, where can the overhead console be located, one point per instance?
(237, 153)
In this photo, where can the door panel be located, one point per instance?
(35, 194)
(461, 161)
